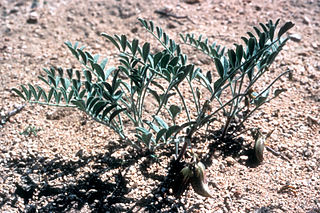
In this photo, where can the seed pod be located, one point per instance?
(198, 180)
(259, 147)
(182, 181)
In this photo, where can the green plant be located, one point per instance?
(30, 130)
(116, 96)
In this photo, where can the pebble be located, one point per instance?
(3, 114)
(192, 1)
(289, 155)
(244, 157)
(295, 37)
(307, 153)
(33, 18)
(306, 20)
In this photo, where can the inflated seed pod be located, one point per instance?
(182, 181)
(198, 180)
(259, 147)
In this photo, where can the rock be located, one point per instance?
(33, 18)
(306, 20)
(295, 37)
(192, 1)
(289, 155)
(134, 30)
(22, 38)
(243, 157)
(307, 153)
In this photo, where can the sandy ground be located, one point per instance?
(74, 164)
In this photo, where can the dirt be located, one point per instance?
(69, 163)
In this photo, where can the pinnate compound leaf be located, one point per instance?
(271, 32)
(251, 45)
(155, 95)
(80, 104)
(107, 110)
(26, 92)
(174, 111)
(218, 84)
(98, 107)
(99, 71)
(19, 93)
(65, 83)
(123, 42)
(165, 60)
(145, 51)
(287, 26)
(103, 63)
(161, 122)
(72, 49)
(57, 96)
(87, 75)
(219, 67)
(134, 46)
(33, 92)
(171, 131)
(115, 113)
(232, 57)
(52, 90)
(83, 56)
(113, 41)
(160, 134)
(239, 54)
(143, 22)
(146, 138)
(156, 58)
(70, 96)
(262, 40)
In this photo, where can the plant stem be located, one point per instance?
(144, 94)
(194, 97)
(51, 104)
(184, 103)
(248, 115)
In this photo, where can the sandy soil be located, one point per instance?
(74, 164)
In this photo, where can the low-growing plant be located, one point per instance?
(30, 130)
(119, 97)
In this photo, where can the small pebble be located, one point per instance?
(306, 20)
(295, 37)
(307, 153)
(33, 18)
(244, 157)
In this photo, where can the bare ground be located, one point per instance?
(76, 165)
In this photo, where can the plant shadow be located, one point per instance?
(229, 146)
(63, 185)
(83, 184)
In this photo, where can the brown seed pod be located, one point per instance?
(182, 181)
(198, 180)
(259, 147)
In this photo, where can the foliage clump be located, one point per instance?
(117, 96)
